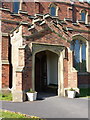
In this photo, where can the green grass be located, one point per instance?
(7, 97)
(84, 92)
(6, 115)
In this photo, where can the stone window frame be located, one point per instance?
(81, 38)
(53, 5)
(86, 15)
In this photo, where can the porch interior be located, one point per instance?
(46, 73)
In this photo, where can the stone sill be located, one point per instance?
(14, 14)
(80, 21)
(23, 12)
(54, 17)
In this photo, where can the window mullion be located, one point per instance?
(80, 53)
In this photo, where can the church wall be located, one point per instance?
(11, 21)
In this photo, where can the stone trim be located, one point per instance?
(81, 22)
(5, 62)
(82, 6)
(31, 17)
(75, 5)
(18, 96)
(87, 25)
(60, 51)
(47, 16)
(11, 32)
(63, 22)
(5, 34)
(43, 22)
(69, 29)
(55, 48)
(5, 9)
(22, 47)
(10, 21)
(79, 36)
(20, 69)
(40, 15)
(24, 23)
(68, 19)
(77, 30)
(17, 15)
(36, 34)
(76, 24)
(23, 12)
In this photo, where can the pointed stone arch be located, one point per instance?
(78, 36)
(57, 49)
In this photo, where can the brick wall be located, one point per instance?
(9, 22)
(5, 76)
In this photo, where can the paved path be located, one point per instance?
(51, 107)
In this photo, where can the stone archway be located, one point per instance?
(46, 71)
(55, 50)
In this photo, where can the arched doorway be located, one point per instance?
(46, 71)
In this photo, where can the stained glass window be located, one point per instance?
(79, 55)
(83, 15)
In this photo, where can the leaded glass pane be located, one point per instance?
(53, 11)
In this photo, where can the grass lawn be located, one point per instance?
(84, 92)
(7, 97)
(6, 115)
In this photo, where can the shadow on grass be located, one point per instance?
(7, 97)
(84, 92)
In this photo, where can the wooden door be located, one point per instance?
(37, 74)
